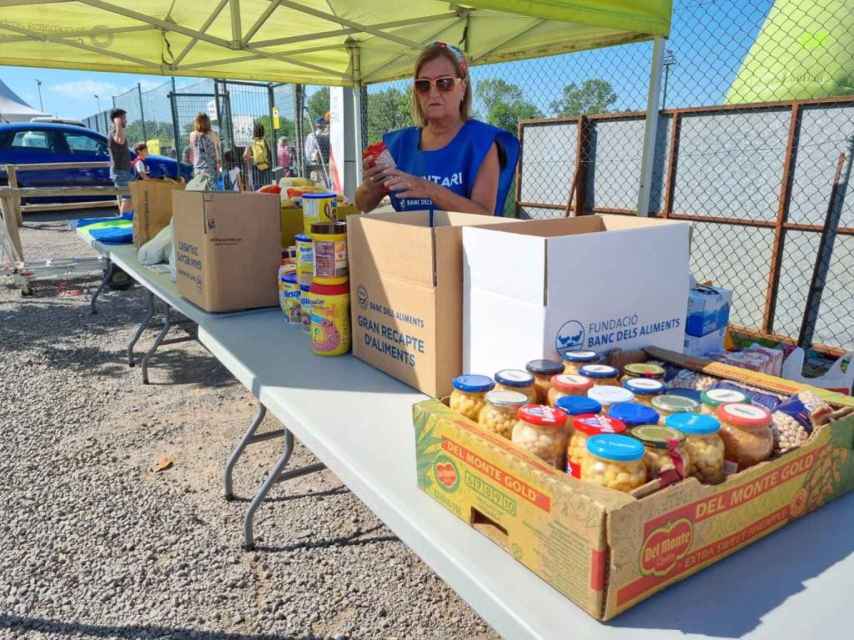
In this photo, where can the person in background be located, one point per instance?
(205, 148)
(448, 161)
(120, 169)
(139, 167)
(283, 156)
(257, 154)
(317, 151)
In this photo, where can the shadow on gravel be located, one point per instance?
(355, 539)
(337, 491)
(132, 632)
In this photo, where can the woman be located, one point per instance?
(205, 148)
(257, 155)
(447, 161)
(283, 155)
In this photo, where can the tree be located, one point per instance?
(318, 104)
(505, 104)
(593, 96)
(388, 110)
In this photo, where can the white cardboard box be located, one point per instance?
(595, 282)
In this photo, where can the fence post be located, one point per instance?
(298, 128)
(672, 160)
(175, 128)
(271, 104)
(651, 126)
(580, 182)
(141, 112)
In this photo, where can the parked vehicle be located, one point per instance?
(55, 120)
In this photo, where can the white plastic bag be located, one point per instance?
(157, 250)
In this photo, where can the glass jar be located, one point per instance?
(703, 443)
(583, 427)
(601, 374)
(643, 370)
(645, 389)
(543, 370)
(516, 380)
(615, 462)
(574, 360)
(665, 451)
(567, 385)
(499, 411)
(468, 395)
(714, 398)
(633, 414)
(691, 394)
(541, 431)
(746, 432)
(668, 404)
(606, 395)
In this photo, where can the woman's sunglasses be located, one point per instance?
(443, 85)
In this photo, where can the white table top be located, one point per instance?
(101, 248)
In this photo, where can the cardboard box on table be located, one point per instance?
(588, 283)
(605, 550)
(228, 249)
(406, 294)
(152, 207)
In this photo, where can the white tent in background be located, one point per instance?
(13, 109)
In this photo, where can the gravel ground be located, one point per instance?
(94, 543)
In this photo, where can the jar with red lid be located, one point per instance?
(541, 431)
(568, 385)
(582, 428)
(746, 432)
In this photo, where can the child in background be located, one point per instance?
(139, 168)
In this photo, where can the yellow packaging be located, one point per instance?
(330, 319)
(329, 242)
(317, 207)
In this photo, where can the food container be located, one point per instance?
(329, 252)
(574, 360)
(601, 374)
(665, 451)
(330, 319)
(468, 394)
(644, 389)
(746, 432)
(574, 406)
(541, 431)
(607, 395)
(703, 443)
(694, 395)
(669, 403)
(568, 385)
(583, 427)
(516, 380)
(317, 207)
(713, 398)
(291, 298)
(643, 370)
(305, 258)
(499, 411)
(633, 414)
(543, 370)
(615, 462)
(305, 306)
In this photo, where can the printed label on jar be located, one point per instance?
(645, 384)
(573, 469)
(747, 411)
(330, 258)
(725, 395)
(600, 368)
(579, 355)
(730, 467)
(572, 380)
(512, 375)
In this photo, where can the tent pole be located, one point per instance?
(355, 65)
(651, 127)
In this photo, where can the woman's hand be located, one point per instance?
(404, 185)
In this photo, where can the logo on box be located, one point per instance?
(663, 548)
(447, 474)
(362, 296)
(570, 336)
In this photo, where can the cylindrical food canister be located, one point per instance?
(305, 306)
(330, 252)
(291, 301)
(317, 207)
(305, 259)
(330, 319)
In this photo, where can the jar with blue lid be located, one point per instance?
(574, 360)
(633, 414)
(578, 406)
(645, 389)
(706, 450)
(601, 374)
(468, 395)
(614, 461)
(516, 380)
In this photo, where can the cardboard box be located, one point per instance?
(708, 310)
(152, 207)
(594, 283)
(406, 288)
(705, 345)
(228, 249)
(605, 550)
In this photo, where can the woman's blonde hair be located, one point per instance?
(456, 58)
(202, 123)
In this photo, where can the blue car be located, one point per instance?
(37, 142)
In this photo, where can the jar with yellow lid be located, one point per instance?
(583, 427)
(469, 394)
(574, 360)
(516, 380)
(541, 431)
(746, 432)
(665, 450)
(644, 389)
(703, 443)
(499, 411)
(543, 370)
(714, 398)
(567, 385)
(615, 462)
(667, 404)
(601, 374)
(643, 370)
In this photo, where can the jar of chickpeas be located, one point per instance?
(615, 462)
(668, 404)
(499, 411)
(607, 395)
(468, 394)
(583, 427)
(541, 431)
(516, 380)
(703, 444)
(574, 360)
(633, 414)
(643, 370)
(746, 432)
(543, 370)
(665, 451)
(714, 398)
(567, 385)
(645, 389)
(601, 374)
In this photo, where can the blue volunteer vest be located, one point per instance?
(455, 166)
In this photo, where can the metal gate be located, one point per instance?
(217, 106)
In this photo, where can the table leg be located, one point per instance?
(149, 314)
(167, 324)
(249, 437)
(108, 274)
